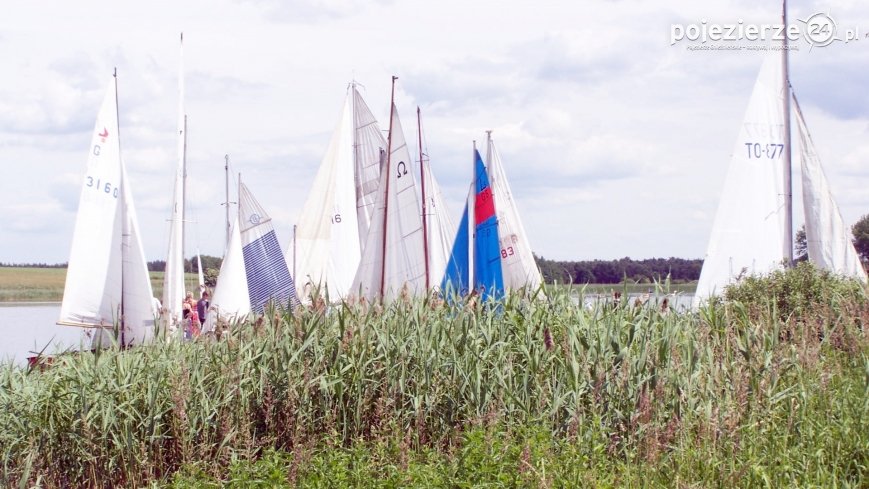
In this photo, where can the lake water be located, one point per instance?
(30, 327)
(677, 302)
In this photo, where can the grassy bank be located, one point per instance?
(768, 391)
(24, 284)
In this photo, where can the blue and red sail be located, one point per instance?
(488, 279)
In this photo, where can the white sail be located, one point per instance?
(748, 232)
(337, 213)
(139, 312)
(369, 152)
(440, 229)
(827, 237)
(393, 259)
(173, 278)
(107, 271)
(517, 260)
(231, 299)
(268, 277)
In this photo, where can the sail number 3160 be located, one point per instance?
(105, 187)
(769, 151)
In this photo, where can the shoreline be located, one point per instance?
(29, 303)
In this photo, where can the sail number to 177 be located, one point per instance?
(99, 185)
(769, 151)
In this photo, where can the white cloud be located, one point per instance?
(616, 143)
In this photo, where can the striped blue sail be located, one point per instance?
(478, 251)
(488, 276)
(268, 278)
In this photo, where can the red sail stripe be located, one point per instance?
(484, 206)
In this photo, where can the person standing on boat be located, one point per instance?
(202, 305)
(192, 324)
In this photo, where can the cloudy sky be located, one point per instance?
(615, 141)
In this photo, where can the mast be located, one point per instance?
(386, 191)
(226, 203)
(488, 148)
(422, 184)
(295, 227)
(472, 221)
(121, 322)
(184, 198)
(788, 188)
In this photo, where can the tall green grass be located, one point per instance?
(529, 391)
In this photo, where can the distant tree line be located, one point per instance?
(578, 272)
(190, 265)
(616, 271)
(210, 267)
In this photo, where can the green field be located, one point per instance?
(20, 284)
(769, 388)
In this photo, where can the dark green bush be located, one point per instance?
(796, 291)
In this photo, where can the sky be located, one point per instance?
(615, 140)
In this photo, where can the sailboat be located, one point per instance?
(254, 271)
(752, 230)
(107, 282)
(173, 277)
(518, 266)
(491, 254)
(437, 228)
(337, 213)
(393, 262)
(475, 260)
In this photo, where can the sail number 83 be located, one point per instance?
(106, 187)
(769, 151)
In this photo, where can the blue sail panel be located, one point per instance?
(488, 277)
(268, 277)
(456, 275)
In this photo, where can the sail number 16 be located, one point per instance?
(769, 151)
(104, 187)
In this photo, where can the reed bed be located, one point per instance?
(615, 383)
